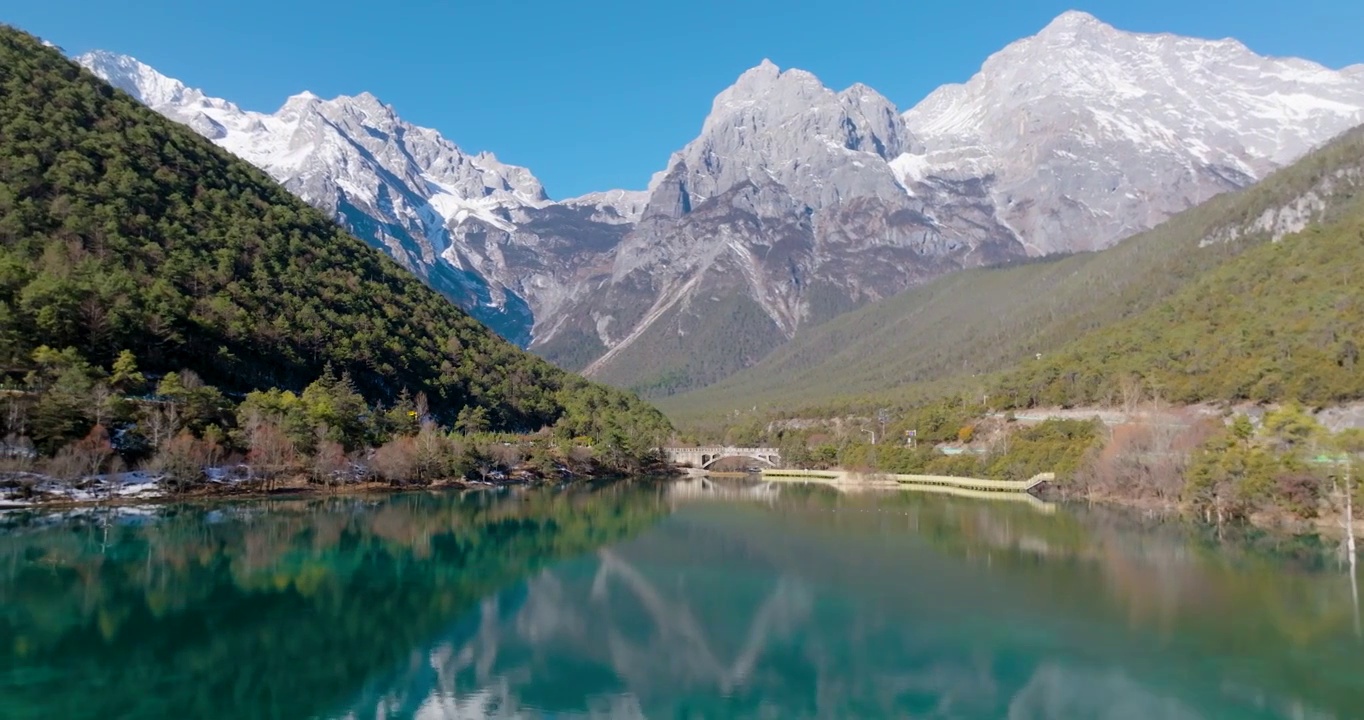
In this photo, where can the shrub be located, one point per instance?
(396, 460)
(83, 458)
(329, 461)
(181, 461)
(1300, 492)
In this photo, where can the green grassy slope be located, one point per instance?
(985, 321)
(121, 230)
(1282, 321)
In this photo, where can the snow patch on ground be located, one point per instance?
(24, 489)
(29, 489)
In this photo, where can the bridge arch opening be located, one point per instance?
(705, 457)
(709, 460)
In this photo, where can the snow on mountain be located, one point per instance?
(783, 209)
(401, 187)
(796, 201)
(1089, 134)
(613, 206)
(787, 127)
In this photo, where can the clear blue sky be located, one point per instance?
(595, 95)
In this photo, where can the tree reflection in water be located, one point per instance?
(818, 605)
(264, 609)
(644, 603)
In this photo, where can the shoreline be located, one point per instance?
(291, 492)
(1275, 521)
(231, 492)
(1051, 496)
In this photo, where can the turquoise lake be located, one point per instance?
(668, 601)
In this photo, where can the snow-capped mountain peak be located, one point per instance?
(137, 79)
(1160, 121)
(404, 188)
(1073, 22)
(785, 127)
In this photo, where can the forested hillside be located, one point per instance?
(125, 237)
(957, 330)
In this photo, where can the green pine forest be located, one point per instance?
(134, 252)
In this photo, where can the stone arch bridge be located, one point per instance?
(704, 457)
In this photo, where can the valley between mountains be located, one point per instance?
(796, 203)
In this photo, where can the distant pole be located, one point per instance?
(1349, 511)
(1350, 539)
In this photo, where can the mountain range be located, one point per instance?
(1269, 272)
(795, 203)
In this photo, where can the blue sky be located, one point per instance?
(594, 95)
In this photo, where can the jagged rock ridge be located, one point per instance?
(401, 187)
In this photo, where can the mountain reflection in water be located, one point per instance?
(681, 601)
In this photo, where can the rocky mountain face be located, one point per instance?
(785, 209)
(795, 202)
(1085, 134)
(450, 217)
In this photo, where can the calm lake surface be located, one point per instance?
(681, 601)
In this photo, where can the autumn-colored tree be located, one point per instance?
(84, 458)
(396, 460)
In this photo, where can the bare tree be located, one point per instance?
(434, 454)
(1148, 458)
(161, 420)
(329, 461)
(182, 459)
(422, 407)
(103, 398)
(17, 405)
(272, 452)
(19, 454)
(508, 455)
(1129, 387)
(85, 457)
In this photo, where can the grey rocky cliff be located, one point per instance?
(787, 128)
(785, 209)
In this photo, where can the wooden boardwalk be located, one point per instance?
(961, 483)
